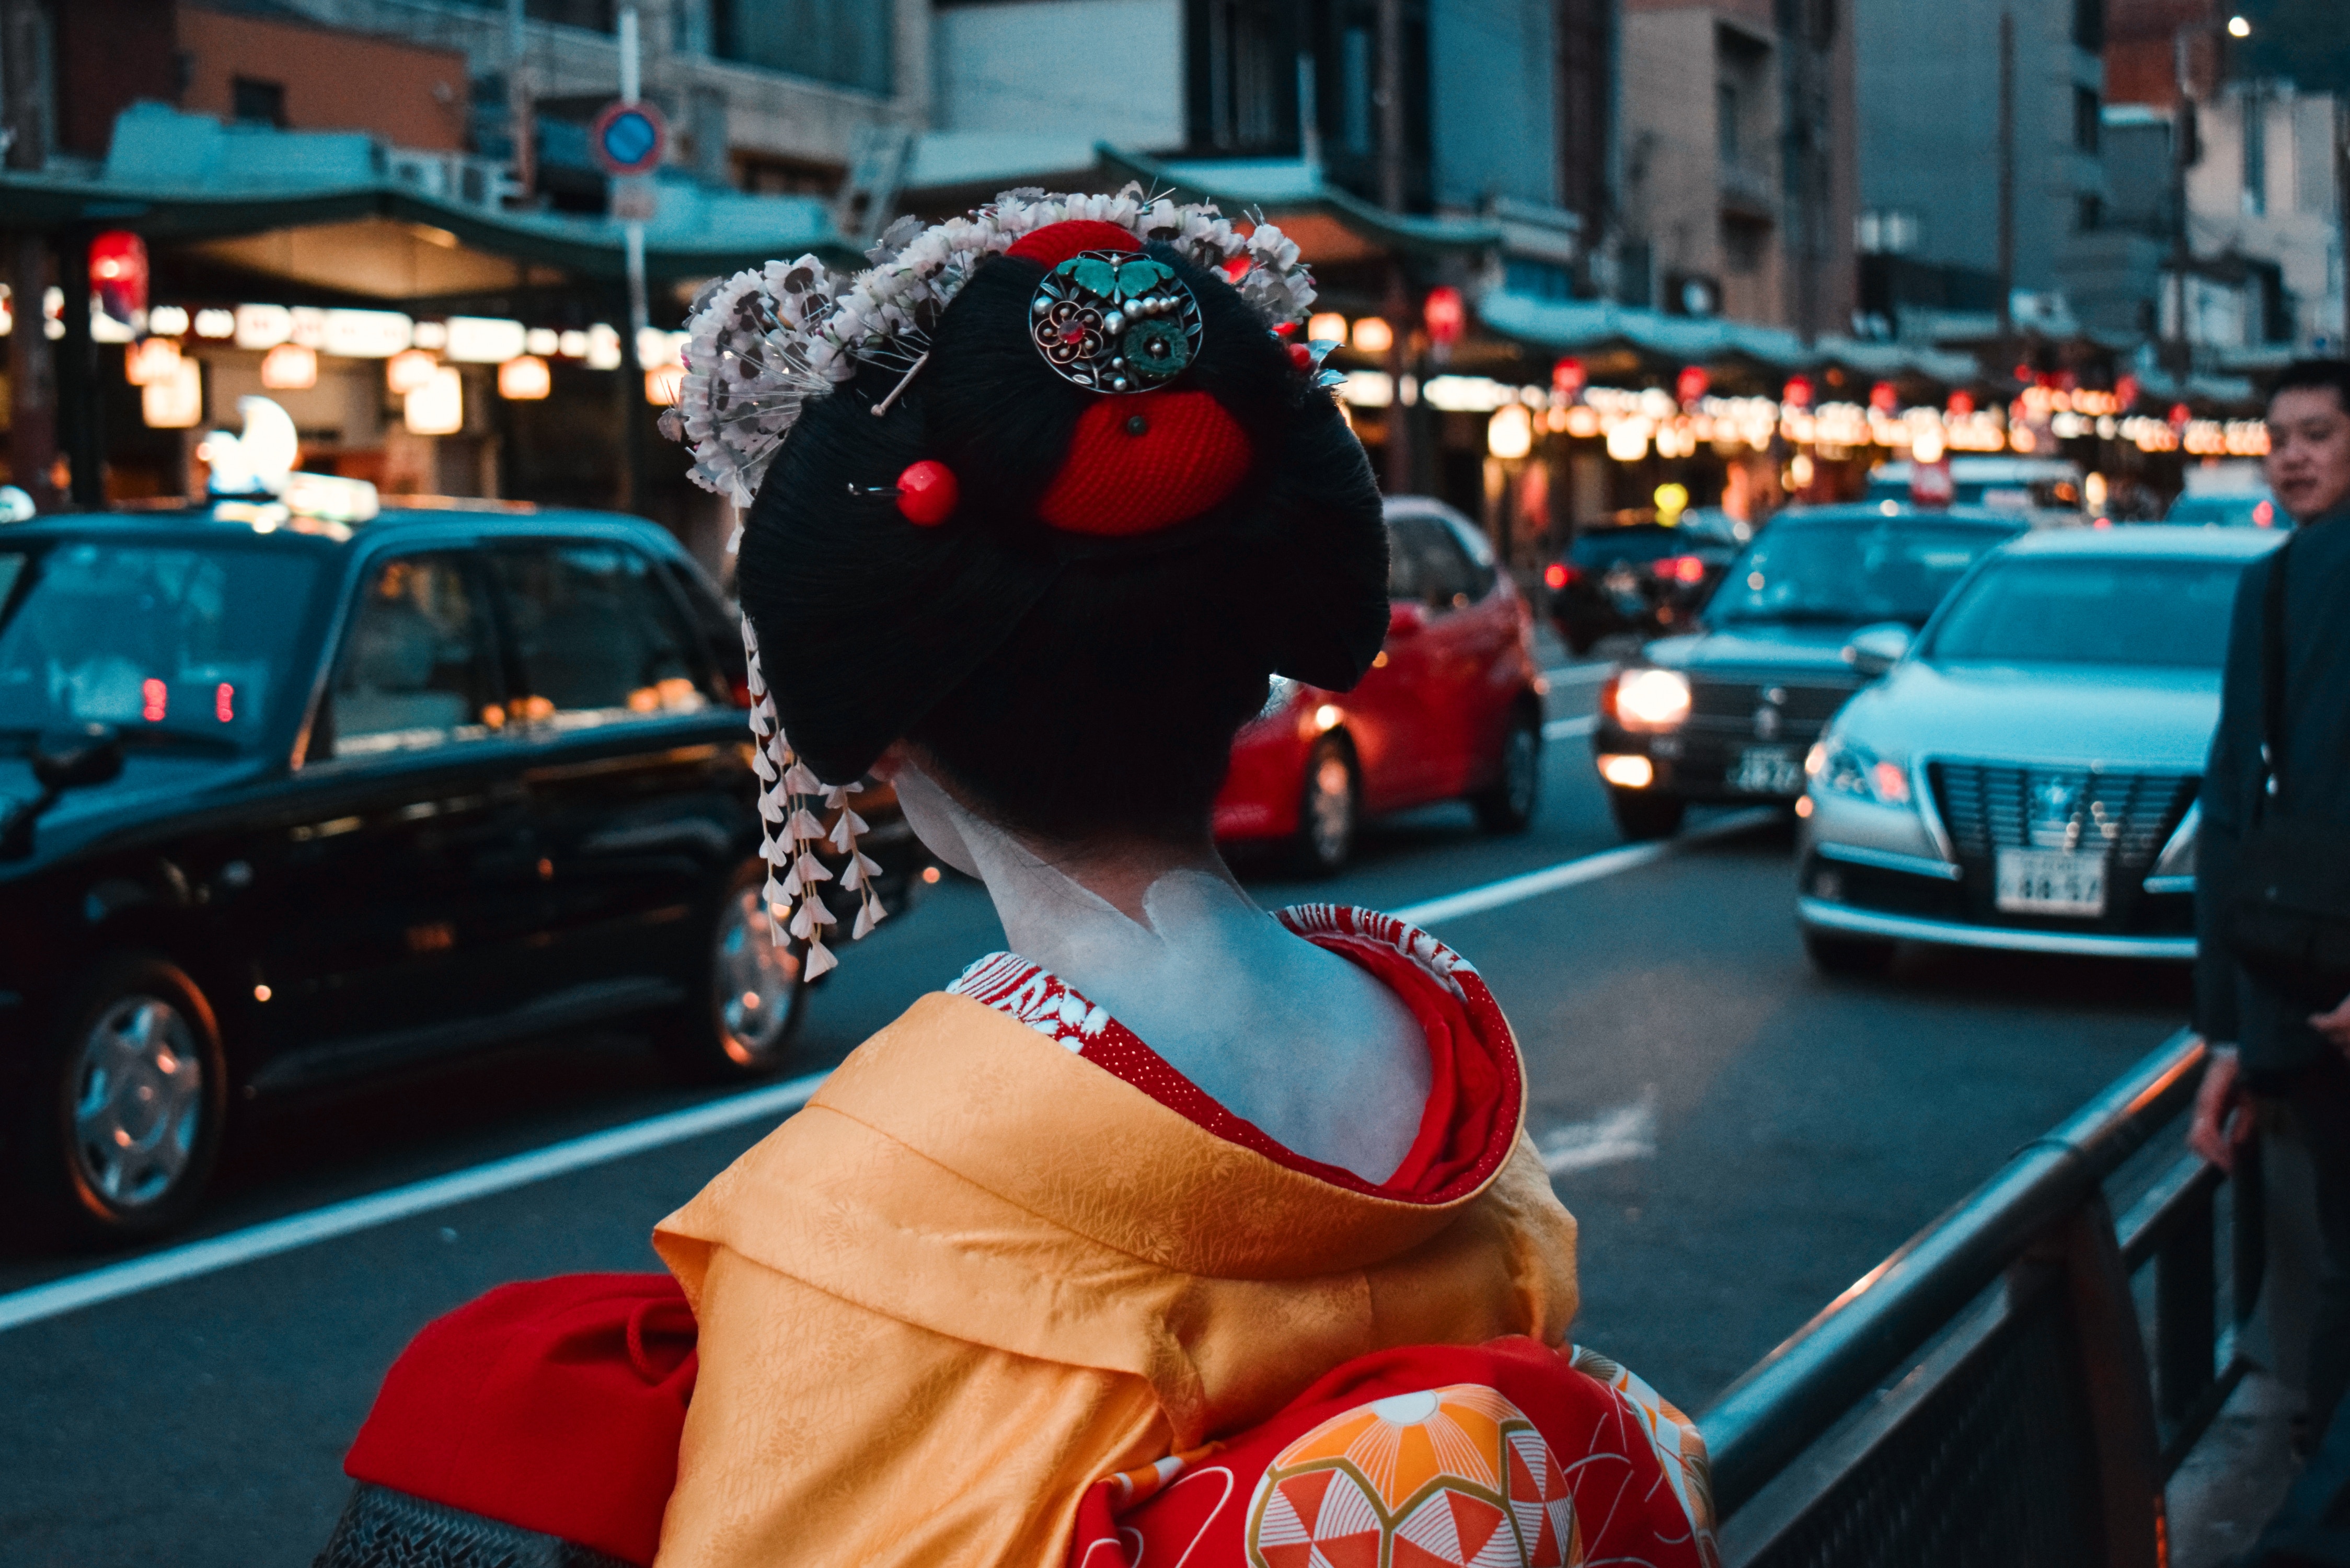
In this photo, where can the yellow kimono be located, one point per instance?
(979, 1271)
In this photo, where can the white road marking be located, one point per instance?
(1568, 729)
(173, 1264)
(226, 1251)
(1572, 873)
(1627, 1132)
(1580, 674)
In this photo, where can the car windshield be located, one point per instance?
(169, 642)
(2224, 511)
(1637, 543)
(2119, 611)
(1848, 573)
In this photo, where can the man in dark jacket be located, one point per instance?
(2266, 1047)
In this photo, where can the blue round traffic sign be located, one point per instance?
(627, 139)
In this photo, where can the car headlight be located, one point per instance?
(1651, 699)
(1842, 767)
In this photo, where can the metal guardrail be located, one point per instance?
(1925, 1417)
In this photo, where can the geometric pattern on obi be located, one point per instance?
(1443, 1478)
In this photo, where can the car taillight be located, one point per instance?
(1680, 568)
(1557, 575)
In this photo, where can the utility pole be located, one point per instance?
(32, 369)
(632, 369)
(1402, 460)
(2006, 301)
(521, 116)
(2183, 154)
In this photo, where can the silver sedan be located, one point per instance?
(2025, 775)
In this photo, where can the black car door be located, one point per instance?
(636, 773)
(396, 902)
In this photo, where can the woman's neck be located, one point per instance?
(1298, 1041)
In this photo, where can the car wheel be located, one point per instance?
(1847, 956)
(743, 1014)
(126, 1127)
(1641, 815)
(1329, 810)
(1508, 805)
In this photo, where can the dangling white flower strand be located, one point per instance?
(790, 836)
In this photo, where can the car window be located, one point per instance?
(2144, 612)
(1427, 563)
(1482, 569)
(1848, 573)
(416, 669)
(599, 640)
(166, 642)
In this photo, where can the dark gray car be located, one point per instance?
(1727, 712)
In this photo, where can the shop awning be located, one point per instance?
(170, 175)
(1329, 222)
(1588, 325)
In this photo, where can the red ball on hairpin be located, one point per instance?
(926, 492)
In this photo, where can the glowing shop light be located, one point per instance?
(151, 362)
(662, 383)
(1327, 326)
(173, 402)
(406, 372)
(436, 408)
(484, 340)
(1510, 433)
(290, 367)
(365, 334)
(525, 380)
(1373, 335)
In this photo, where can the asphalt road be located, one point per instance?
(1739, 1139)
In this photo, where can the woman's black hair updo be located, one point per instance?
(1070, 685)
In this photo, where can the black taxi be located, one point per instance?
(285, 800)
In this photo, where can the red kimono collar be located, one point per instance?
(1476, 1084)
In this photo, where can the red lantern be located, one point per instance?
(2179, 415)
(118, 273)
(1691, 384)
(2125, 393)
(1798, 392)
(1568, 377)
(1961, 405)
(1447, 315)
(1886, 399)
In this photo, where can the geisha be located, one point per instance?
(1179, 1229)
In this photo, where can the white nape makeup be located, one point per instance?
(1296, 1040)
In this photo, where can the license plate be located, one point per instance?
(1768, 770)
(2050, 882)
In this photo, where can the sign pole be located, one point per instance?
(633, 231)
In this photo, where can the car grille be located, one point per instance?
(1728, 707)
(1986, 807)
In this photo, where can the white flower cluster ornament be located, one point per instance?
(764, 342)
(789, 833)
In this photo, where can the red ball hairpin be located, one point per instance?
(926, 493)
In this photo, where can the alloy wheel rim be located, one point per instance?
(139, 1102)
(1332, 807)
(754, 980)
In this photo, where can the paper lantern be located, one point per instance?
(524, 379)
(437, 407)
(289, 367)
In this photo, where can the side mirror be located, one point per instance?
(1406, 619)
(77, 758)
(62, 759)
(1873, 649)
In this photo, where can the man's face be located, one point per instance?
(2309, 452)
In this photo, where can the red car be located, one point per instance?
(1451, 709)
